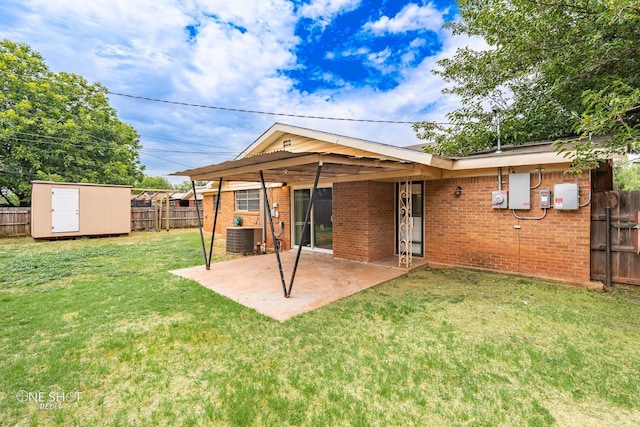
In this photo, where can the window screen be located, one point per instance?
(248, 200)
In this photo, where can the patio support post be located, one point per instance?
(307, 219)
(195, 200)
(608, 268)
(215, 219)
(273, 233)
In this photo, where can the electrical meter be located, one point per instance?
(499, 200)
(545, 198)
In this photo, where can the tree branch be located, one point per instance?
(564, 6)
(7, 200)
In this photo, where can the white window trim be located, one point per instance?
(247, 199)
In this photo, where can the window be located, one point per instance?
(248, 200)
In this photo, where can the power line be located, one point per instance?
(142, 151)
(58, 138)
(53, 140)
(213, 153)
(268, 113)
(178, 141)
(241, 110)
(167, 160)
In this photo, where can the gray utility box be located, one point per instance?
(520, 191)
(566, 197)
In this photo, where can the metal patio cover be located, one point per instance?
(290, 167)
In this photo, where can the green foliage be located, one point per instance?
(613, 111)
(555, 69)
(154, 183)
(626, 175)
(186, 186)
(58, 127)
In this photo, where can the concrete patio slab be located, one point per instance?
(254, 281)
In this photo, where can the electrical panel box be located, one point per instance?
(499, 200)
(520, 191)
(545, 198)
(566, 197)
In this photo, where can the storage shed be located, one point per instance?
(74, 210)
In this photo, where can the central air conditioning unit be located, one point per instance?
(243, 240)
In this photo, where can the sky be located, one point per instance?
(351, 59)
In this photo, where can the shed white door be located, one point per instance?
(65, 204)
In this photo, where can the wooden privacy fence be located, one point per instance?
(15, 222)
(615, 237)
(155, 218)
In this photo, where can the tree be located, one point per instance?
(556, 68)
(626, 175)
(58, 127)
(154, 183)
(185, 186)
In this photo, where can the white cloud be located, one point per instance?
(142, 48)
(411, 17)
(419, 88)
(224, 62)
(318, 9)
(379, 58)
(322, 12)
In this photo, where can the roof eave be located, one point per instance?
(279, 130)
(507, 161)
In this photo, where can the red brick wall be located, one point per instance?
(467, 231)
(226, 213)
(249, 219)
(463, 231)
(363, 220)
(281, 196)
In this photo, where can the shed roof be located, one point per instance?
(79, 184)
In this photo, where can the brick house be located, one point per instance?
(515, 212)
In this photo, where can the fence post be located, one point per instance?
(608, 279)
(167, 218)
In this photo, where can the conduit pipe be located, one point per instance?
(529, 218)
(539, 178)
(496, 111)
(590, 191)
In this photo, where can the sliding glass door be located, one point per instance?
(319, 233)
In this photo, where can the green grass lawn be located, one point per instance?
(110, 338)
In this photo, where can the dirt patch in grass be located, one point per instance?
(590, 413)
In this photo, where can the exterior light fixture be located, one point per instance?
(458, 191)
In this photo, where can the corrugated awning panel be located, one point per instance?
(285, 166)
